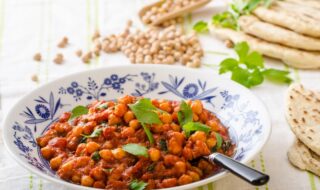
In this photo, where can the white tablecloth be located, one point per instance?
(29, 26)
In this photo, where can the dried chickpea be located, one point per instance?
(55, 163)
(79, 53)
(35, 78)
(118, 153)
(92, 147)
(87, 181)
(63, 43)
(128, 116)
(180, 167)
(134, 124)
(58, 59)
(37, 57)
(106, 154)
(154, 154)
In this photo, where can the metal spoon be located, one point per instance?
(173, 14)
(248, 174)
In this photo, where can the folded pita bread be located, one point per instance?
(298, 9)
(303, 115)
(273, 33)
(308, 3)
(303, 158)
(298, 23)
(292, 57)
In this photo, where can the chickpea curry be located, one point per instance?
(135, 143)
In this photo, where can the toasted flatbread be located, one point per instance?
(303, 158)
(308, 3)
(273, 33)
(293, 57)
(298, 9)
(298, 23)
(303, 115)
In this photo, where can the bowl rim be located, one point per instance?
(137, 68)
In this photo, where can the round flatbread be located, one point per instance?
(303, 158)
(303, 115)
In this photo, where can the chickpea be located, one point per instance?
(128, 116)
(68, 166)
(107, 145)
(165, 106)
(197, 107)
(170, 182)
(105, 154)
(47, 152)
(211, 142)
(99, 184)
(198, 135)
(113, 119)
(120, 110)
(128, 132)
(55, 163)
(175, 127)
(87, 181)
(134, 124)
(37, 57)
(195, 117)
(81, 147)
(77, 131)
(174, 147)
(92, 147)
(184, 179)
(194, 175)
(76, 178)
(118, 153)
(166, 118)
(154, 154)
(157, 128)
(213, 124)
(180, 167)
(126, 100)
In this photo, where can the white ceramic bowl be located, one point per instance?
(242, 112)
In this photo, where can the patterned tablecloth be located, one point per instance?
(29, 26)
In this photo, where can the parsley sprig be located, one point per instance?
(249, 70)
(137, 185)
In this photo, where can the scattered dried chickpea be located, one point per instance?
(37, 57)
(58, 59)
(63, 43)
(34, 78)
(79, 53)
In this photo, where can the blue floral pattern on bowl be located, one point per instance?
(236, 109)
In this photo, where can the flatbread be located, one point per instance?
(295, 22)
(303, 158)
(298, 9)
(293, 57)
(308, 3)
(303, 115)
(273, 33)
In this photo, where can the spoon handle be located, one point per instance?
(250, 175)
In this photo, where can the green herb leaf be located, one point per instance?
(277, 76)
(135, 149)
(78, 111)
(251, 5)
(108, 170)
(144, 111)
(195, 126)
(201, 26)
(95, 156)
(241, 76)
(137, 185)
(254, 60)
(96, 133)
(225, 20)
(163, 145)
(219, 141)
(185, 114)
(228, 65)
(151, 167)
(242, 49)
(148, 133)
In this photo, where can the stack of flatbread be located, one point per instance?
(288, 30)
(303, 115)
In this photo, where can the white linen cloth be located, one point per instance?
(30, 26)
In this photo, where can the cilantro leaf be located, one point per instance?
(194, 126)
(185, 114)
(78, 111)
(96, 133)
(201, 26)
(137, 185)
(242, 49)
(228, 65)
(225, 20)
(254, 59)
(144, 111)
(136, 149)
(148, 133)
(95, 156)
(278, 76)
(219, 141)
(255, 78)
(241, 76)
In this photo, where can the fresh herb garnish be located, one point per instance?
(145, 112)
(95, 156)
(108, 170)
(136, 149)
(137, 185)
(102, 106)
(78, 111)
(163, 145)
(151, 167)
(96, 133)
(194, 126)
(249, 70)
(229, 18)
(185, 114)
(219, 140)
(201, 26)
